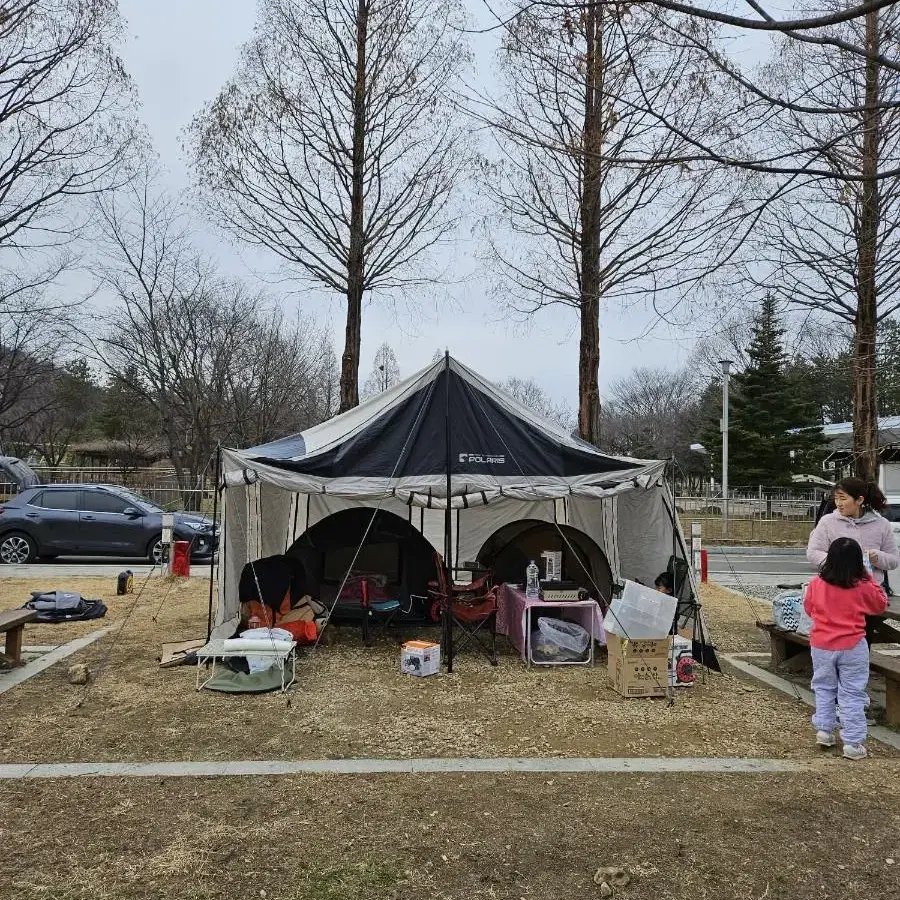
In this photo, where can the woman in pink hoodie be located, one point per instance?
(858, 517)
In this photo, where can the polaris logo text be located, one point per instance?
(484, 460)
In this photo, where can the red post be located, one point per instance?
(181, 559)
(704, 566)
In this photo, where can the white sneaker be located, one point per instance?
(855, 751)
(825, 738)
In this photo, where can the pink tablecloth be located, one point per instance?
(512, 608)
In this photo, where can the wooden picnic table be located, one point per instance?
(13, 623)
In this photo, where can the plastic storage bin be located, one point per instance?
(641, 613)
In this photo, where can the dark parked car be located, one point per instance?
(93, 520)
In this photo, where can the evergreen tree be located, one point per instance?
(767, 405)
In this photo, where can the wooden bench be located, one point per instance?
(790, 651)
(889, 668)
(13, 623)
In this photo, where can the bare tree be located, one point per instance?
(727, 340)
(33, 340)
(68, 401)
(653, 413)
(130, 420)
(287, 380)
(209, 356)
(585, 178)
(833, 244)
(529, 393)
(334, 146)
(173, 335)
(65, 121)
(385, 372)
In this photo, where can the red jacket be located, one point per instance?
(839, 614)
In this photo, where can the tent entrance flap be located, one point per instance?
(393, 555)
(508, 551)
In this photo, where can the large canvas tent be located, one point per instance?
(444, 460)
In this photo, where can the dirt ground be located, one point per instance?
(830, 834)
(353, 702)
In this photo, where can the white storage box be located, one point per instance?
(420, 658)
(641, 613)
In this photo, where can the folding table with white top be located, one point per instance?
(216, 650)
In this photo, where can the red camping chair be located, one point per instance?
(471, 608)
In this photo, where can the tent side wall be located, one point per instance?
(633, 529)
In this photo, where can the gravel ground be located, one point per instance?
(765, 592)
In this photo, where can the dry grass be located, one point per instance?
(353, 702)
(827, 833)
(731, 618)
(822, 835)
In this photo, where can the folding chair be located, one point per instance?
(471, 608)
(380, 612)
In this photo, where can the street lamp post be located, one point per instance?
(726, 374)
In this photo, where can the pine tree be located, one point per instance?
(767, 406)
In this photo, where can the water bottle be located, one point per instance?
(532, 582)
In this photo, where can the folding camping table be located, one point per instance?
(216, 650)
(514, 619)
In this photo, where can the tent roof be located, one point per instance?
(397, 443)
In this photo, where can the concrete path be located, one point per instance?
(9, 680)
(546, 766)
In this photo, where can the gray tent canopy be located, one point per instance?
(457, 459)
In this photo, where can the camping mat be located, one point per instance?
(228, 682)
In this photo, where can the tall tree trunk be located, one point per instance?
(356, 256)
(865, 407)
(589, 346)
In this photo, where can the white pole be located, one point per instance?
(726, 369)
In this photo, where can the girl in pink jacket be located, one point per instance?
(857, 516)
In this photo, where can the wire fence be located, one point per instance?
(749, 508)
(160, 486)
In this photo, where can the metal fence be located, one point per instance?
(749, 508)
(160, 486)
(757, 502)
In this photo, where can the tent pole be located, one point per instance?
(212, 557)
(446, 616)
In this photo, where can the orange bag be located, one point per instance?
(264, 613)
(303, 632)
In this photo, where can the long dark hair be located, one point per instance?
(843, 567)
(868, 490)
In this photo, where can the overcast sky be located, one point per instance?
(180, 52)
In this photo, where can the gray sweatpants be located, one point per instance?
(839, 681)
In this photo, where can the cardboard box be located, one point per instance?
(420, 658)
(681, 662)
(639, 668)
